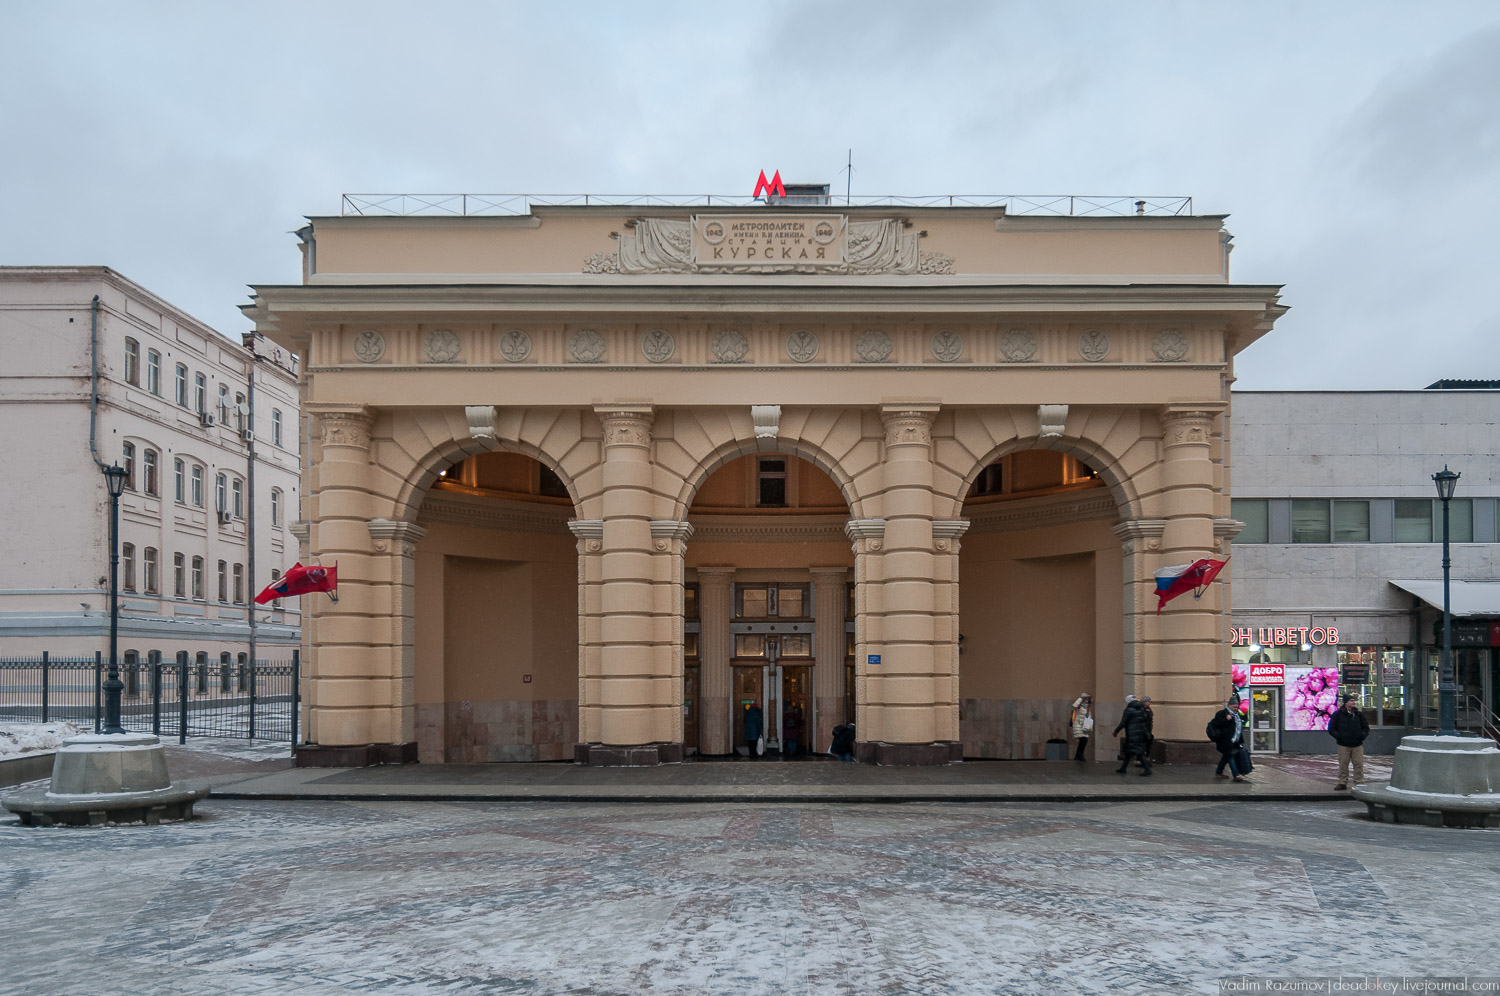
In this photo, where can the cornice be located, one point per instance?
(495, 513)
(763, 529)
(1033, 513)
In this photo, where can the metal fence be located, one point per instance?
(189, 696)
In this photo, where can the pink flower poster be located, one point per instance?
(1312, 695)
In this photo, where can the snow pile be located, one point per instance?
(28, 738)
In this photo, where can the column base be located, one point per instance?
(641, 756)
(1184, 752)
(359, 756)
(902, 755)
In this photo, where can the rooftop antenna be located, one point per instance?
(848, 172)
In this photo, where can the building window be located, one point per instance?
(226, 670)
(179, 480)
(153, 372)
(223, 402)
(759, 601)
(221, 493)
(149, 461)
(1351, 522)
(197, 487)
(200, 393)
(1255, 514)
(179, 575)
(1413, 520)
(131, 665)
(239, 584)
(182, 385)
(275, 426)
(990, 481)
(198, 577)
(202, 670)
(129, 461)
(223, 581)
(127, 566)
(1377, 678)
(149, 571)
(132, 362)
(1460, 520)
(275, 506)
(237, 486)
(243, 671)
(275, 574)
(772, 483)
(1310, 520)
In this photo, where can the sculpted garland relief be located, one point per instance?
(586, 346)
(771, 243)
(873, 347)
(730, 347)
(1018, 346)
(442, 346)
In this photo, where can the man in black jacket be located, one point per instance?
(1349, 728)
(1137, 726)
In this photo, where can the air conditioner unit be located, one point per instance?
(205, 419)
(249, 436)
(225, 518)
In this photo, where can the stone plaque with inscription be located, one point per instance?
(818, 240)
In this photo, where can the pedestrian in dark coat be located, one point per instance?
(1349, 728)
(791, 731)
(1136, 724)
(843, 742)
(754, 727)
(1228, 729)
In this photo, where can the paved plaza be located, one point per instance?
(318, 896)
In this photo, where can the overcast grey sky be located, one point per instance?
(1356, 145)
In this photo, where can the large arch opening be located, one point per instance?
(495, 674)
(768, 609)
(1040, 606)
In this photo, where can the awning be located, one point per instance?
(1465, 598)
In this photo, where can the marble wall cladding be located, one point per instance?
(1012, 729)
(512, 730)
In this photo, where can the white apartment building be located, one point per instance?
(1337, 574)
(97, 370)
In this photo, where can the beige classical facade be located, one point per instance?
(598, 478)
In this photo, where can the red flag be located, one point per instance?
(1174, 581)
(299, 580)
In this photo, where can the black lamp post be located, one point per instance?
(114, 479)
(1446, 481)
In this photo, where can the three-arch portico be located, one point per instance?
(934, 403)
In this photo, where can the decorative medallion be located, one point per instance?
(947, 345)
(1169, 346)
(802, 346)
(586, 346)
(658, 345)
(1093, 345)
(1018, 346)
(369, 346)
(873, 347)
(442, 346)
(515, 346)
(730, 347)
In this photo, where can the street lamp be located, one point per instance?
(114, 479)
(1446, 481)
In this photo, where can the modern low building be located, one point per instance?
(1338, 571)
(600, 477)
(98, 370)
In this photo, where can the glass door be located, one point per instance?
(1265, 720)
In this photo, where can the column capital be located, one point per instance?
(1187, 424)
(588, 532)
(385, 532)
(664, 531)
(829, 575)
(716, 575)
(302, 529)
(1133, 531)
(343, 425)
(908, 422)
(626, 424)
(871, 530)
(945, 533)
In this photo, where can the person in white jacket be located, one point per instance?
(1083, 722)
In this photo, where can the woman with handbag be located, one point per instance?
(1083, 723)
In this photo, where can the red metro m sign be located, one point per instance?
(773, 186)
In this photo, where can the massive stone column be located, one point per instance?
(640, 721)
(914, 725)
(945, 542)
(357, 695)
(716, 683)
(1184, 655)
(828, 674)
(590, 536)
(395, 544)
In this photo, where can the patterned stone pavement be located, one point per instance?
(682, 899)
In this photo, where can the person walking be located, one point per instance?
(1349, 728)
(754, 727)
(791, 731)
(1083, 723)
(1136, 724)
(1227, 730)
(843, 742)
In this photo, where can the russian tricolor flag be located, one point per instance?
(1174, 581)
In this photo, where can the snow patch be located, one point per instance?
(30, 738)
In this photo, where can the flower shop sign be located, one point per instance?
(1267, 674)
(1284, 636)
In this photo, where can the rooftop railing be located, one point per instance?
(503, 205)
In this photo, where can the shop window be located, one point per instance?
(182, 385)
(749, 645)
(796, 645)
(771, 481)
(128, 459)
(1378, 678)
(149, 461)
(1351, 522)
(1413, 520)
(127, 566)
(1460, 520)
(149, 570)
(179, 575)
(1255, 514)
(132, 362)
(991, 481)
(1310, 520)
(153, 372)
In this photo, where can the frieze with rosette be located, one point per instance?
(515, 346)
(802, 346)
(1093, 345)
(873, 346)
(657, 345)
(947, 345)
(730, 346)
(369, 346)
(1018, 346)
(1169, 346)
(586, 346)
(442, 346)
